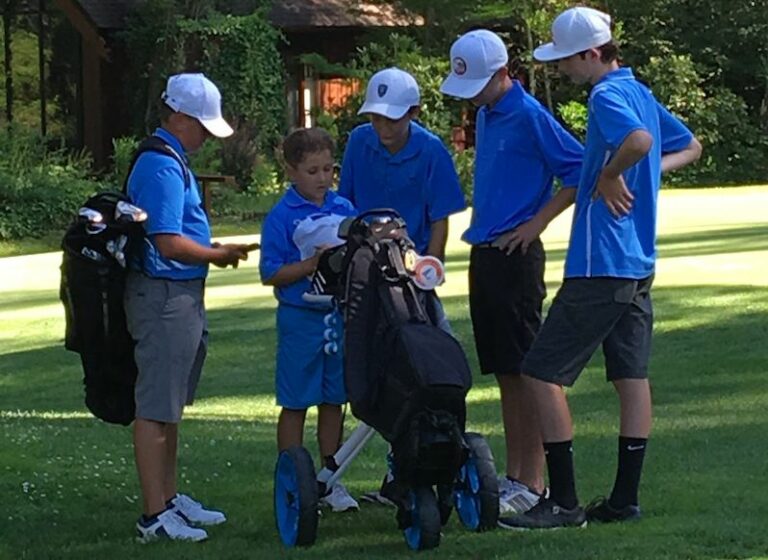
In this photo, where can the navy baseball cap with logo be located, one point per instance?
(390, 93)
(475, 58)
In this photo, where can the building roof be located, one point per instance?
(285, 14)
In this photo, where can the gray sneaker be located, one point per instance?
(547, 514)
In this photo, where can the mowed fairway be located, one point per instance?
(68, 487)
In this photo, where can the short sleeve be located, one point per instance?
(160, 191)
(444, 194)
(675, 136)
(561, 151)
(614, 118)
(274, 246)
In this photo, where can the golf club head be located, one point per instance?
(127, 212)
(90, 215)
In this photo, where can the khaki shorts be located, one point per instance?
(167, 320)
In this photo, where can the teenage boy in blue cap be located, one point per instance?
(394, 162)
(605, 298)
(520, 149)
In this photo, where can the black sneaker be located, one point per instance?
(547, 514)
(600, 510)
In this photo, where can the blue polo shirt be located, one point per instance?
(520, 148)
(419, 181)
(156, 184)
(625, 247)
(277, 246)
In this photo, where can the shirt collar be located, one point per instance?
(510, 101)
(172, 141)
(417, 137)
(624, 73)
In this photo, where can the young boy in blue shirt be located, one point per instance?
(520, 148)
(309, 365)
(605, 298)
(394, 162)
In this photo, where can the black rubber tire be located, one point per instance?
(307, 491)
(427, 517)
(489, 484)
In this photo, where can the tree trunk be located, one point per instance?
(532, 65)
(8, 16)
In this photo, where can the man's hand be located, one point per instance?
(523, 235)
(230, 254)
(615, 194)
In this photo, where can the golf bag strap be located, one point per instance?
(157, 144)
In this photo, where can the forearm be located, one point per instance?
(556, 206)
(290, 273)
(676, 160)
(438, 238)
(184, 249)
(634, 148)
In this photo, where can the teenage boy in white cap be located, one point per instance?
(605, 298)
(520, 149)
(394, 162)
(164, 301)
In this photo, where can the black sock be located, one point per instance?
(631, 455)
(562, 485)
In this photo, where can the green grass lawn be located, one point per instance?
(68, 487)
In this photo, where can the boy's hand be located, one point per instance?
(523, 235)
(313, 261)
(615, 194)
(230, 254)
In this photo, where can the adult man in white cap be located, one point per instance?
(164, 300)
(394, 162)
(520, 149)
(605, 297)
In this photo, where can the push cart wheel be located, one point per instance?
(423, 532)
(296, 497)
(476, 495)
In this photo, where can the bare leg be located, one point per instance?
(151, 454)
(290, 428)
(635, 400)
(553, 412)
(329, 428)
(525, 454)
(171, 447)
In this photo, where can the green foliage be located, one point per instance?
(40, 188)
(239, 53)
(123, 149)
(574, 114)
(735, 150)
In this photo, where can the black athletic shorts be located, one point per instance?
(506, 293)
(588, 312)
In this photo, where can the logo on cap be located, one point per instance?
(459, 66)
(382, 91)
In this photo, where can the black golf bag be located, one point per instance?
(93, 274)
(97, 246)
(404, 376)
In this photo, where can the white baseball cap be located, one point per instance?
(575, 30)
(391, 93)
(197, 96)
(475, 58)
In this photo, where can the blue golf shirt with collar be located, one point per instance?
(156, 184)
(419, 181)
(601, 244)
(278, 248)
(520, 149)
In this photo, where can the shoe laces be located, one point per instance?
(185, 502)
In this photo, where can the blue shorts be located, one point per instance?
(309, 371)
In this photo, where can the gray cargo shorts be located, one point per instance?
(167, 320)
(616, 313)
